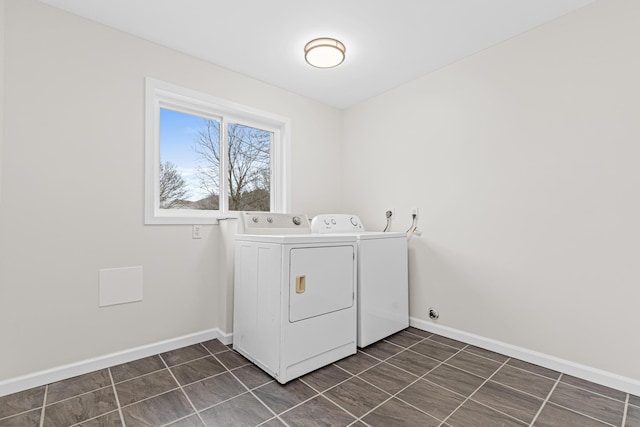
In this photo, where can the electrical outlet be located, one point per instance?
(196, 232)
(415, 212)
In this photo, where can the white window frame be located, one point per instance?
(160, 94)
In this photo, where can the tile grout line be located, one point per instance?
(137, 376)
(380, 362)
(321, 394)
(206, 408)
(165, 367)
(181, 363)
(591, 417)
(464, 348)
(499, 411)
(255, 396)
(419, 377)
(594, 392)
(115, 393)
(626, 408)
(557, 381)
(423, 377)
(78, 395)
(183, 392)
(510, 387)
(546, 400)
(417, 335)
(150, 397)
(285, 411)
(575, 411)
(44, 404)
(528, 371)
(318, 394)
(403, 349)
(570, 409)
(179, 419)
(80, 423)
(488, 358)
(247, 388)
(207, 377)
(271, 419)
(474, 392)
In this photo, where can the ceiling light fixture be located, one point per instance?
(324, 52)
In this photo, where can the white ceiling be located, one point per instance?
(389, 42)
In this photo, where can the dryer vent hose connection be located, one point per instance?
(389, 214)
(414, 226)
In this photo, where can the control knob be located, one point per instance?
(354, 221)
(255, 219)
(296, 220)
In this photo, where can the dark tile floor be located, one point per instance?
(413, 378)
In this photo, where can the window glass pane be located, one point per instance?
(189, 161)
(207, 158)
(249, 152)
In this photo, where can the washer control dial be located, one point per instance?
(296, 220)
(255, 219)
(354, 221)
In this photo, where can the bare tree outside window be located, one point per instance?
(207, 147)
(173, 188)
(248, 160)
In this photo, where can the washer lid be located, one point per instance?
(371, 235)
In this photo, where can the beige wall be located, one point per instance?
(1, 89)
(73, 196)
(523, 161)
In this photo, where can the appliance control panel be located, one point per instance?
(336, 223)
(272, 223)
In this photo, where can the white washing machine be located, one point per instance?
(294, 295)
(383, 276)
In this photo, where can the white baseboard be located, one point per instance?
(225, 338)
(628, 385)
(25, 382)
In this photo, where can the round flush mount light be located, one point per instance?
(324, 52)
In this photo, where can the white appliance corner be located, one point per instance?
(48, 376)
(599, 376)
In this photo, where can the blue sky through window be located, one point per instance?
(178, 132)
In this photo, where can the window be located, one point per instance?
(207, 158)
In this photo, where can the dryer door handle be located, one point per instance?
(301, 283)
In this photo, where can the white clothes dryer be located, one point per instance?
(294, 295)
(383, 276)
